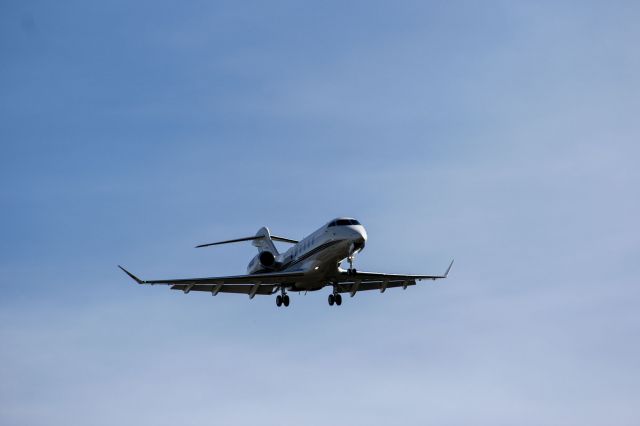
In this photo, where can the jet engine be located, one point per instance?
(267, 259)
(264, 261)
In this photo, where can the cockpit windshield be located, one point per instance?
(343, 222)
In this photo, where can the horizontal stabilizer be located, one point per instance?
(237, 240)
(257, 237)
(284, 240)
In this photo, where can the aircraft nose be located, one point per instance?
(363, 234)
(359, 237)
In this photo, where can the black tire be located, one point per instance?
(331, 300)
(279, 300)
(338, 298)
(285, 300)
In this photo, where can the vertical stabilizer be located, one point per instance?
(265, 243)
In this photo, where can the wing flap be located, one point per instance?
(376, 276)
(227, 288)
(269, 278)
(364, 286)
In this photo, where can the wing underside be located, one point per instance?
(354, 287)
(363, 281)
(266, 284)
(262, 289)
(263, 284)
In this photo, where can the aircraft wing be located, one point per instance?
(244, 284)
(362, 281)
(263, 289)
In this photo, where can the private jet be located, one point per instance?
(309, 265)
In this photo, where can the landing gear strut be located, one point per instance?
(282, 299)
(351, 270)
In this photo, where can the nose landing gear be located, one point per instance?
(350, 259)
(351, 270)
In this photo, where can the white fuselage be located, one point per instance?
(320, 253)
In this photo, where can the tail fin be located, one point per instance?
(264, 242)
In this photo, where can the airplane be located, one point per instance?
(309, 265)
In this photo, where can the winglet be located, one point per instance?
(136, 279)
(445, 274)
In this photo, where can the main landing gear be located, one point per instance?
(335, 298)
(282, 299)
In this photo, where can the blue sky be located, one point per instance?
(504, 134)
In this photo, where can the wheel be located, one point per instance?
(285, 300)
(338, 298)
(279, 300)
(331, 300)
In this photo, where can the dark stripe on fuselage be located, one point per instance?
(311, 253)
(307, 255)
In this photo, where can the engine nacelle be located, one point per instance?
(265, 260)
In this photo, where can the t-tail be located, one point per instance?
(264, 242)
(266, 259)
